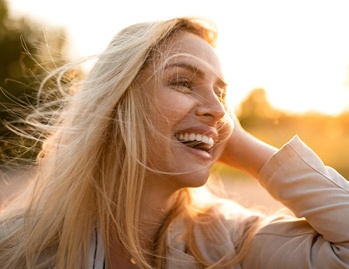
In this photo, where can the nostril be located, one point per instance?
(208, 115)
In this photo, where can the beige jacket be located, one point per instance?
(318, 238)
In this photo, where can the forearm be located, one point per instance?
(297, 177)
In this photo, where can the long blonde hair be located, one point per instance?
(92, 165)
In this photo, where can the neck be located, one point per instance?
(155, 207)
(156, 204)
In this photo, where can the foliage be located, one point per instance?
(27, 54)
(327, 135)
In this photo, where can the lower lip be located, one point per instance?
(199, 153)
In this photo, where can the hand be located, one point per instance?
(245, 152)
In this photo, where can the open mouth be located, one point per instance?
(196, 141)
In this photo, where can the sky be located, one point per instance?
(298, 50)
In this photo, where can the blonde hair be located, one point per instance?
(93, 162)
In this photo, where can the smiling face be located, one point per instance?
(186, 93)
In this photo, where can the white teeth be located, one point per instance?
(195, 137)
(206, 140)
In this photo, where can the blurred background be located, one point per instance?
(286, 62)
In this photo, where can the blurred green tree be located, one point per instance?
(27, 53)
(327, 135)
(256, 109)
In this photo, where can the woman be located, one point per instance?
(115, 177)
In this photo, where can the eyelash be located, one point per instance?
(183, 84)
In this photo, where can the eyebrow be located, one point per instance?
(219, 81)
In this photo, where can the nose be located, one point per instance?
(210, 107)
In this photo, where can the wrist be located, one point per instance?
(246, 152)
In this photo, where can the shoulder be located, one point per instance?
(222, 221)
(216, 232)
(231, 219)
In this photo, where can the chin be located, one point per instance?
(194, 180)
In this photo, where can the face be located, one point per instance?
(186, 110)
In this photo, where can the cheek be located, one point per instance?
(174, 106)
(166, 113)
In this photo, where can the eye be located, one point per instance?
(182, 84)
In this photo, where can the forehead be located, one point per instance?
(190, 47)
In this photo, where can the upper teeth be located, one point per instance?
(195, 137)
